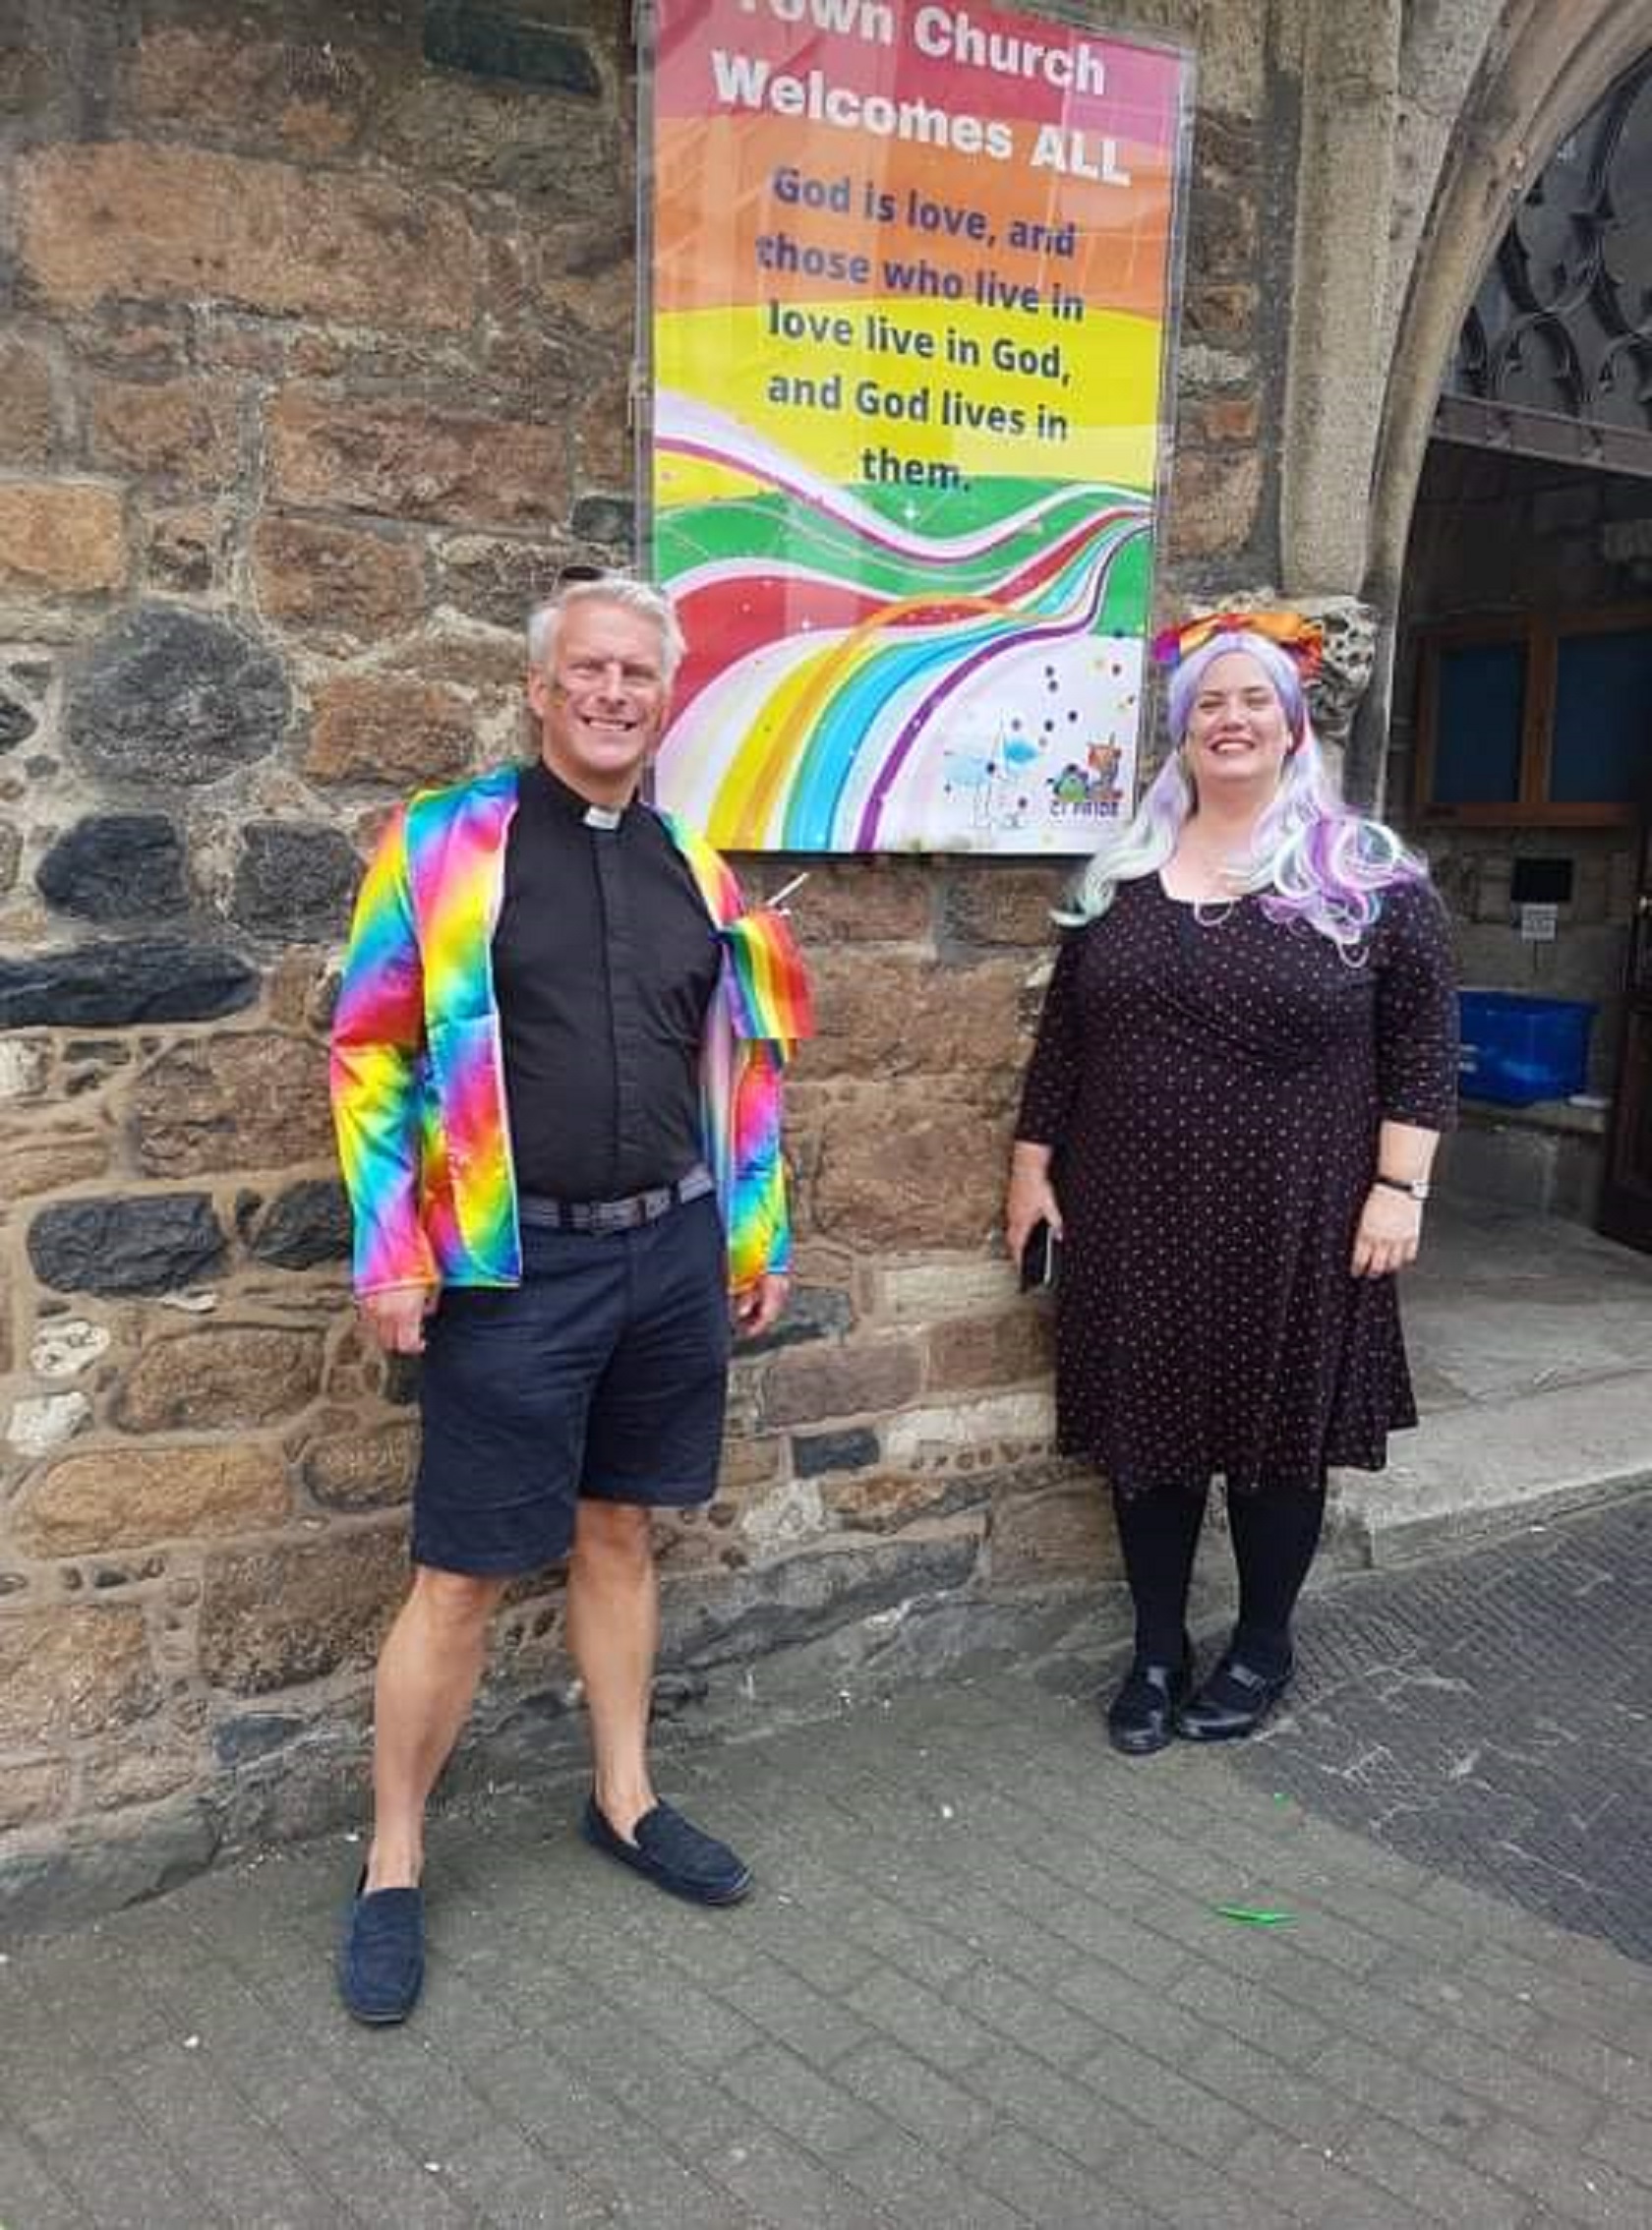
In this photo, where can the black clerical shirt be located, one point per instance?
(605, 961)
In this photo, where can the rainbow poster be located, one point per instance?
(912, 279)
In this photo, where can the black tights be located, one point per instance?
(1158, 1534)
(1275, 1537)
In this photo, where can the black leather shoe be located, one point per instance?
(1233, 1702)
(1141, 1716)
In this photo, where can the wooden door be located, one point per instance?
(1626, 1209)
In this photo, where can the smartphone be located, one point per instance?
(1039, 1257)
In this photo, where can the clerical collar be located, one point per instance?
(567, 800)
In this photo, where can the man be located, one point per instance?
(555, 1081)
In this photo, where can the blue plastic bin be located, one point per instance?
(1517, 1048)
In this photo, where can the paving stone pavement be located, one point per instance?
(1494, 1718)
(985, 1981)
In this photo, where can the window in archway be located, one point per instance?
(1536, 719)
(1555, 357)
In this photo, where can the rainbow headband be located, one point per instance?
(1302, 640)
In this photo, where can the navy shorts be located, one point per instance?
(602, 1373)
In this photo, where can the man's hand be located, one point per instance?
(395, 1316)
(757, 1306)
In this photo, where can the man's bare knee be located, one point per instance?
(458, 1602)
(614, 1535)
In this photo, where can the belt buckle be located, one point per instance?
(605, 1217)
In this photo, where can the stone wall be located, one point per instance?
(313, 347)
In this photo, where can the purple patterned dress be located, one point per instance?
(1211, 1083)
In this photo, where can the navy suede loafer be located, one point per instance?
(382, 1960)
(1233, 1702)
(674, 1854)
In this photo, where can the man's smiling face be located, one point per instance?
(601, 701)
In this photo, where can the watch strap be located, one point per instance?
(1416, 1188)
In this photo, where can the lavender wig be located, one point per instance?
(1314, 859)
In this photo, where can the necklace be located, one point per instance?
(1205, 913)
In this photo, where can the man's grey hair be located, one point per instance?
(545, 621)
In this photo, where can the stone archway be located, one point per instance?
(1542, 69)
(1539, 73)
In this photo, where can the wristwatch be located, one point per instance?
(1416, 1186)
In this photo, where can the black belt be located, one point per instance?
(602, 1216)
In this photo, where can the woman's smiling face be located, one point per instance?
(1237, 732)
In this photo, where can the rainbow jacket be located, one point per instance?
(418, 1075)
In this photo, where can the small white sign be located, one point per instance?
(1537, 924)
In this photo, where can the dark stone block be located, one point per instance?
(17, 724)
(802, 1598)
(307, 1224)
(599, 248)
(112, 866)
(538, 1709)
(146, 980)
(850, 1450)
(119, 1246)
(507, 1741)
(254, 1735)
(294, 879)
(495, 580)
(172, 696)
(813, 1312)
(75, 1881)
(128, 1575)
(495, 42)
(605, 518)
(401, 1381)
(675, 1693)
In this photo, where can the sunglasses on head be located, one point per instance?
(569, 576)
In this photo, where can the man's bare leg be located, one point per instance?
(613, 1635)
(427, 1671)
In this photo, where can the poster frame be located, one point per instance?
(642, 390)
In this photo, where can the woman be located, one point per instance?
(1246, 1056)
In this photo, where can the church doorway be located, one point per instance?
(1522, 732)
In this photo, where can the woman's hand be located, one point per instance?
(1390, 1227)
(1030, 1197)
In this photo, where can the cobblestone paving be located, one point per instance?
(1491, 1715)
(985, 1981)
